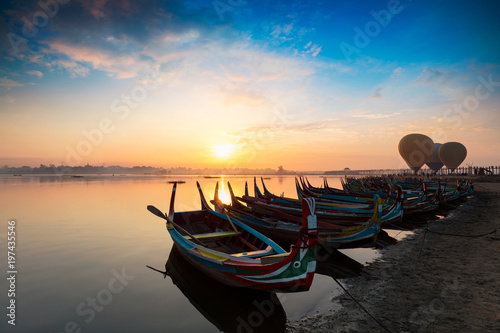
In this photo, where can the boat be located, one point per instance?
(211, 299)
(284, 228)
(237, 255)
(416, 200)
(387, 212)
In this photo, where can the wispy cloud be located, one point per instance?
(97, 8)
(8, 83)
(312, 49)
(118, 66)
(430, 76)
(331, 125)
(241, 95)
(282, 30)
(375, 115)
(397, 72)
(74, 68)
(35, 73)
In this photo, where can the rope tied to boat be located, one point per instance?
(362, 307)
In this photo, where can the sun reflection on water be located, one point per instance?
(224, 194)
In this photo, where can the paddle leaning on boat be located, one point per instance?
(237, 255)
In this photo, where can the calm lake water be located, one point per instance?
(82, 246)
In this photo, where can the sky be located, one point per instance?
(309, 85)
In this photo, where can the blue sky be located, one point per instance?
(337, 83)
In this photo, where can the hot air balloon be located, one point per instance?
(434, 163)
(416, 149)
(452, 154)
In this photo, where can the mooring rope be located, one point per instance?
(397, 226)
(362, 307)
(458, 235)
(426, 230)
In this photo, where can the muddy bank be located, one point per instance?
(451, 285)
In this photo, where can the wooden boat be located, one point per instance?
(388, 212)
(211, 298)
(284, 228)
(415, 201)
(237, 255)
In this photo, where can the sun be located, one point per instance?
(224, 150)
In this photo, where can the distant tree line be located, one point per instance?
(142, 170)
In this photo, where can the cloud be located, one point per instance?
(281, 33)
(35, 73)
(97, 34)
(430, 76)
(252, 65)
(96, 8)
(243, 96)
(376, 93)
(312, 49)
(480, 129)
(375, 115)
(287, 126)
(117, 66)
(397, 72)
(6, 82)
(183, 37)
(233, 76)
(73, 68)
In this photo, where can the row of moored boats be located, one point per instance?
(243, 243)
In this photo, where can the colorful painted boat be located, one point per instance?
(389, 214)
(285, 228)
(211, 298)
(237, 255)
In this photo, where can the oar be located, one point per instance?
(154, 269)
(229, 219)
(159, 213)
(243, 240)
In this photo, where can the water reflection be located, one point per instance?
(230, 309)
(224, 194)
(384, 240)
(233, 309)
(334, 263)
(77, 229)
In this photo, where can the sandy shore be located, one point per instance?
(453, 285)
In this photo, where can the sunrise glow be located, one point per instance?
(247, 84)
(224, 150)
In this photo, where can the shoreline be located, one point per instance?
(452, 285)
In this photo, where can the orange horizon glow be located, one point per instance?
(258, 94)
